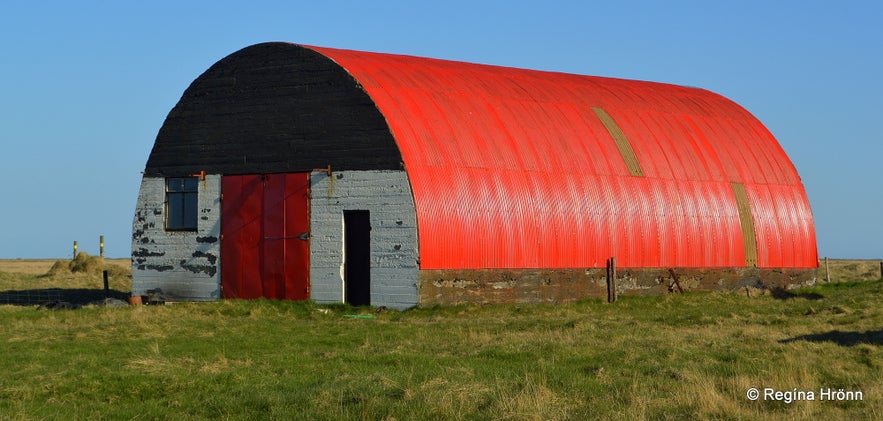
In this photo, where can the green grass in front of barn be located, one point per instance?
(692, 356)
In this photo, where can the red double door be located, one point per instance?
(265, 247)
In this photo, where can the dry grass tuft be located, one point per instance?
(454, 398)
(531, 399)
(221, 364)
(86, 264)
(60, 267)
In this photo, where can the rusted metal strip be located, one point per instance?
(747, 221)
(622, 142)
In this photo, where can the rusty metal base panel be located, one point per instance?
(487, 286)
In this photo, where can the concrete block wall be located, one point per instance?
(184, 264)
(388, 198)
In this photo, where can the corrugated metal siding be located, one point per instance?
(512, 168)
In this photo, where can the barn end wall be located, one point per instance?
(534, 286)
(184, 264)
(387, 196)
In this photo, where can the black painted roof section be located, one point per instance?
(270, 108)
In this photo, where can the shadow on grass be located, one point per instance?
(872, 337)
(75, 296)
(783, 294)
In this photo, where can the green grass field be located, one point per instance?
(691, 356)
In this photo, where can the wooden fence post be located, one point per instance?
(827, 271)
(613, 269)
(609, 283)
(106, 285)
(611, 280)
(675, 282)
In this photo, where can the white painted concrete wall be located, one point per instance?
(387, 196)
(184, 264)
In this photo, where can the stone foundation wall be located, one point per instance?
(522, 286)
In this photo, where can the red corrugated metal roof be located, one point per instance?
(511, 168)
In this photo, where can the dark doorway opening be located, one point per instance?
(357, 257)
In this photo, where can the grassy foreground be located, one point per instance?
(669, 357)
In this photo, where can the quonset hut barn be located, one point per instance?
(293, 172)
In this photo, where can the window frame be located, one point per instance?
(181, 204)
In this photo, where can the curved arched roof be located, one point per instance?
(515, 168)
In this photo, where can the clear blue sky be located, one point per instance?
(86, 85)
